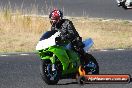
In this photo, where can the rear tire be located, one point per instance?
(81, 80)
(91, 65)
(50, 77)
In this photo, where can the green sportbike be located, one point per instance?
(59, 61)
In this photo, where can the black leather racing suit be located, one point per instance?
(69, 32)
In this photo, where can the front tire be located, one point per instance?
(50, 77)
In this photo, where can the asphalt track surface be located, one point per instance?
(86, 8)
(22, 71)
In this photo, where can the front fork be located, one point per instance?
(53, 67)
(53, 62)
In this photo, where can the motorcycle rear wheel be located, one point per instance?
(91, 65)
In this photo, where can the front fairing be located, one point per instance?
(47, 40)
(68, 58)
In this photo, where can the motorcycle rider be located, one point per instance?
(67, 32)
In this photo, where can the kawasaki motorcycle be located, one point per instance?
(59, 61)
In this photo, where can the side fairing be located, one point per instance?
(69, 59)
(61, 54)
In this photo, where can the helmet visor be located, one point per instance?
(54, 20)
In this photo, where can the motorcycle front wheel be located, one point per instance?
(49, 74)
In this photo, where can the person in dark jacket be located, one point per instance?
(68, 31)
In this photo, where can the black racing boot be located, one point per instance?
(82, 56)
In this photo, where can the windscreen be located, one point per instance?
(47, 35)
